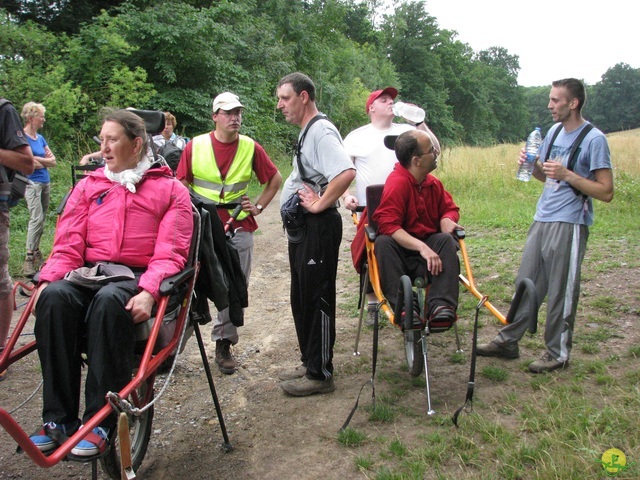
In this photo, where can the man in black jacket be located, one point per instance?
(15, 155)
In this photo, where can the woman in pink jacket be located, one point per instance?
(130, 213)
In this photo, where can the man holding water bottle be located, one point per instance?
(373, 161)
(365, 145)
(557, 239)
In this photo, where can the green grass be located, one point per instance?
(524, 426)
(351, 438)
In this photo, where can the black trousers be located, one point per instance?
(314, 266)
(70, 320)
(395, 261)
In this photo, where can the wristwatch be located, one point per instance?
(259, 207)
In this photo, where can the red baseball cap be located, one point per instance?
(374, 95)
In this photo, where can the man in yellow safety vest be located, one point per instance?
(218, 165)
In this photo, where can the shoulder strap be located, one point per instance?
(571, 163)
(576, 143)
(553, 139)
(574, 146)
(573, 156)
(319, 116)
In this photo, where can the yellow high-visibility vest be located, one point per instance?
(207, 180)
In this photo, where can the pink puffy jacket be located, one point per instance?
(103, 221)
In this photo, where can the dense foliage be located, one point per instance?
(78, 56)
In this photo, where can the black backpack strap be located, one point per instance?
(573, 157)
(574, 147)
(319, 116)
(553, 139)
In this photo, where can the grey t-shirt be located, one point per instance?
(558, 202)
(323, 158)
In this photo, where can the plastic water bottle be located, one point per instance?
(533, 145)
(411, 113)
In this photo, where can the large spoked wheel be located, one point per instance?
(139, 432)
(412, 336)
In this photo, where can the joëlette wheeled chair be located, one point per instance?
(158, 340)
(415, 336)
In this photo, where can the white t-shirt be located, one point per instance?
(373, 161)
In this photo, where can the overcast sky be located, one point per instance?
(553, 39)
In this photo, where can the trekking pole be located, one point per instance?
(226, 446)
(468, 402)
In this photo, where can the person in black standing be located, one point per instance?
(15, 155)
(313, 252)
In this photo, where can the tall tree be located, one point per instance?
(58, 15)
(615, 102)
(505, 98)
(412, 40)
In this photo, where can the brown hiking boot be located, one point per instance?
(494, 349)
(547, 363)
(292, 374)
(38, 260)
(224, 357)
(303, 386)
(29, 267)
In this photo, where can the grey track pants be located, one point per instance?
(552, 259)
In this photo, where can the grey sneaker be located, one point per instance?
(224, 358)
(547, 363)
(494, 349)
(303, 386)
(293, 373)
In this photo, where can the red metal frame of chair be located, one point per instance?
(147, 368)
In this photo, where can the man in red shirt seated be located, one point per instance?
(416, 219)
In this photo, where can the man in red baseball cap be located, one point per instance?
(392, 92)
(373, 161)
(365, 145)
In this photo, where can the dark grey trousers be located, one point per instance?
(552, 259)
(395, 261)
